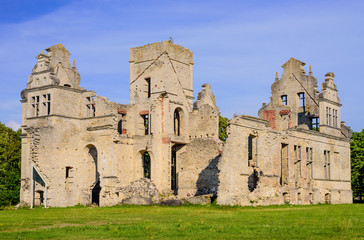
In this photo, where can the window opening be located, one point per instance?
(334, 113)
(330, 124)
(120, 127)
(315, 124)
(284, 164)
(302, 99)
(146, 165)
(297, 165)
(309, 163)
(68, 169)
(90, 107)
(284, 99)
(252, 151)
(146, 123)
(148, 87)
(46, 104)
(35, 106)
(174, 169)
(39, 198)
(177, 123)
(327, 164)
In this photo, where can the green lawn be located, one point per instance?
(185, 222)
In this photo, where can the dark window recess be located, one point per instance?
(315, 124)
(148, 87)
(120, 127)
(68, 169)
(284, 99)
(174, 169)
(302, 99)
(177, 123)
(250, 148)
(146, 123)
(146, 165)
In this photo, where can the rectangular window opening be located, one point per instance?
(146, 123)
(284, 164)
(309, 163)
(252, 151)
(148, 87)
(35, 106)
(284, 99)
(327, 164)
(90, 107)
(315, 124)
(302, 99)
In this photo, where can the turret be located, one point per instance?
(54, 69)
(329, 106)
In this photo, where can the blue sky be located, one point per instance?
(238, 45)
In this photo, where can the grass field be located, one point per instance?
(185, 222)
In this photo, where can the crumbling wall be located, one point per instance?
(197, 168)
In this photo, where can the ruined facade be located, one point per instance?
(81, 148)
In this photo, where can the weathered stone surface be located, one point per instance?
(81, 148)
(202, 199)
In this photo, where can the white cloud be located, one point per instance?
(13, 125)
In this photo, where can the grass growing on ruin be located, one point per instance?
(185, 222)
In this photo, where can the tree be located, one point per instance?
(10, 155)
(357, 164)
(223, 122)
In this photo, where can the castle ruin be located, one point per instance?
(81, 148)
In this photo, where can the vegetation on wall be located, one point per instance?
(357, 164)
(223, 122)
(10, 155)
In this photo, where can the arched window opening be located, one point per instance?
(177, 123)
(120, 127)
(146, 165)
(95, 176)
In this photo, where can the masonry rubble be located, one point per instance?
(162, 147)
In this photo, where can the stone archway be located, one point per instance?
(94, 175)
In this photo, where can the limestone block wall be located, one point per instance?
(197, 168)
(297, 166)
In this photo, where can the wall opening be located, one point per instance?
(146, 123)
(301, 96)
(284, 164)
(146, 165)
(177, 122)
(147, 80)
(174, 169)
(120, 127)
(286, 197)
(39, 198)
(284, 99)
(297, 165)
(327, 198)
(95, 177)
(327, 164)
(309, 162)
(252, 151)
(253, 180)
(310, 198)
